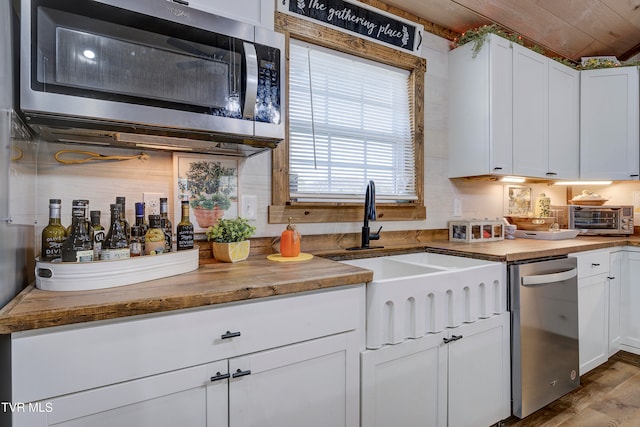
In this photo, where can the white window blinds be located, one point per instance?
(349, 122)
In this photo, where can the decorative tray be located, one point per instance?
(547, 235)
(589, 202)
(82, 276)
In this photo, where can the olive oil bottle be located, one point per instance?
(54, 234)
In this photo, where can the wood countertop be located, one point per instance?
(212, 283)
(525, 249)
(257, 277)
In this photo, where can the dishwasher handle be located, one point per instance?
(544, 279)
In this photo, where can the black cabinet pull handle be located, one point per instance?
(551, 174)
(497, 168)
(230, 334)
(453, 338)
(594, 264)
(218, 376)
(633, 175)
(611, 277)
(241, 373)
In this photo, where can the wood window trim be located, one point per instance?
(282, 207)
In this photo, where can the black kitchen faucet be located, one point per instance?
(369, 214)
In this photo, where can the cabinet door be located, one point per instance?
(609, 124)
(616, 261)
(564, 121)
(256, 12)
(186, 397)
(405, 384)
(480, 109)
(479, 373)
(593, 322)
(311, 384)
(629, 303)
(530, 113)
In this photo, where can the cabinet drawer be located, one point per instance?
(591, 263)
(100, 353)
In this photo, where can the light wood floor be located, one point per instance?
(609, 396)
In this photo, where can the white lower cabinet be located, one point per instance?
(458, 377)
(629, 303)
(617, 263)
(287, 361)
(593, 308)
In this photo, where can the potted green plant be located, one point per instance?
(210, 185)
(230, 239)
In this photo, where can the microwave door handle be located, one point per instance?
(251, 93)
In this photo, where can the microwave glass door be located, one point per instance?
(596, 219)
(111, 54)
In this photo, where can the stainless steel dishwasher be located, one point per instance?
(543, 300)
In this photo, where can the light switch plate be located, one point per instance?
(249, 206)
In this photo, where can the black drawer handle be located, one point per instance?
(595, 264)
(218, 376)
(497, 168)
(241, 373)
(611, 277)
(230, 334)
(453, 338)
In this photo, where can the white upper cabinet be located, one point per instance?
(530, 112)
(546, 102)
(480, 109)
(609, 124)
(512, 111)
(256, 12)
(564, 122)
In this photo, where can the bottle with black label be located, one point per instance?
(115, 245)
(78, 247)
(54, 234)
(98, 234)
(184, 229)
(165, 224)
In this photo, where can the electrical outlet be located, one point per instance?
(249, 207)
(152, 202)
(457, 207)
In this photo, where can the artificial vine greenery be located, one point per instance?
(478, 36)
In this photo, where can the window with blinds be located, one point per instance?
(349, 122)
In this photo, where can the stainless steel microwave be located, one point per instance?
(150, 73)
(595, 220)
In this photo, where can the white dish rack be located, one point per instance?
(82, 276)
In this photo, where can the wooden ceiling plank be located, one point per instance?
(596, 19)
(534, 23)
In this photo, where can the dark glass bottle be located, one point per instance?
(121, 200)
(78, 247)
(98, 234)
(142, 225)
(54, 234)
(115, 245)
(165, 224)
(184, 229)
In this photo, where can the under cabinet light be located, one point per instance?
(582, 183)
(517, 179)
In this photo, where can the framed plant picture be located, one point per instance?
(517, 200)
(210, 184)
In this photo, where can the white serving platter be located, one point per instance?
(547, 235)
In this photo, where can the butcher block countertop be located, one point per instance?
(257, 277)
(212, 283)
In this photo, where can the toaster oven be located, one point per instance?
(595, 220)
